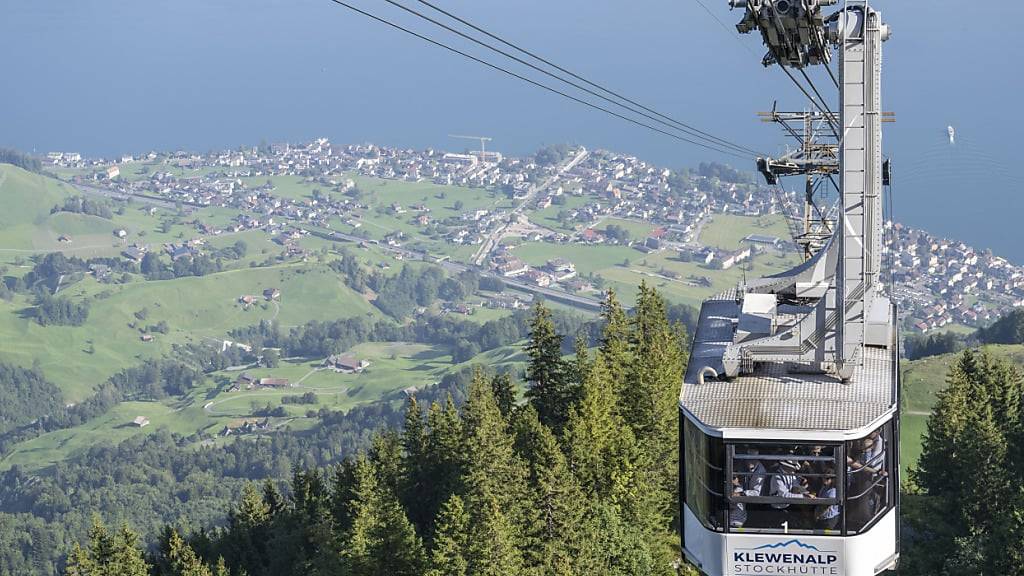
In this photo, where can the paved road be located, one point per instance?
(492, 239)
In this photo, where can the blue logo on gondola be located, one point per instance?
(787, 543)
(787, 557)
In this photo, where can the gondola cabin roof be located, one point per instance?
(780, 396)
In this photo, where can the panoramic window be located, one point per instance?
(788, 487)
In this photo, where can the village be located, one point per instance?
(937, 282)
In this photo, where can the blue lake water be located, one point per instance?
(120, 76)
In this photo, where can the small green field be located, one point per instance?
(637, 230)
(624, 268)
(727, 231)
(548, 217)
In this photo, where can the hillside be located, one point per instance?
(922, 380)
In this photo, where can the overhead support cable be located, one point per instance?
(726, 28)
(639, 109)
(536, 83)
(818, 94)
(828, 114)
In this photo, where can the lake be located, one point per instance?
(105, 77)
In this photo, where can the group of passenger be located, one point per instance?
(808, 473)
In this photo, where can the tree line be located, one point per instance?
(579, 478)
(20, 159)
(1009, 329)
(83, 205)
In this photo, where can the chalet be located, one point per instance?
(140, 421)
(146, 337)
(64, 238)
(346, 363)
(734, 258)
(274, 382)
(133, 253)
(246, 379)
(272, 294)
(539, 278)
(179, 252)
(247, 299)
(121, 233)
(99, 270)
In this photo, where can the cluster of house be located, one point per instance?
(346, 363)
(248, 426)
(248, 381)
(555, 271)
(939, 282)
(269, 295)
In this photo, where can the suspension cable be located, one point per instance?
(533, 82)
(644, 110)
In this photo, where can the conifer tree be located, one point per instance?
(415, 481)
(492, 466)
(343, 483)
(546, 371)
(127, 559)
(940, 470)
(79, 563)
(649, 402)
(451, 541)
(504, 393)
(108, 555)
(580, 367)
(594, 433)
(556, 501)
(252, 510)
(386, 454)
(445, 456)
(494, 545)
(221, 569)
(272, 498)
(495, 486)
(382, 541)
(182, 559)
(616, 342)
(101, 543)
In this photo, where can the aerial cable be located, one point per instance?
(815, 89)
(828, 114)
(533, 82)
(726, 28)
(582, 79)
(656, 117)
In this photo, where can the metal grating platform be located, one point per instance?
(775, 397)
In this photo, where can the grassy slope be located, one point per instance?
(194, 308)
(208, 408)
(922, 380)
(28, 228)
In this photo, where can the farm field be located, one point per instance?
(209, 408)
(638, 230)
(624, 268)
(76, 358)
(727, 231)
